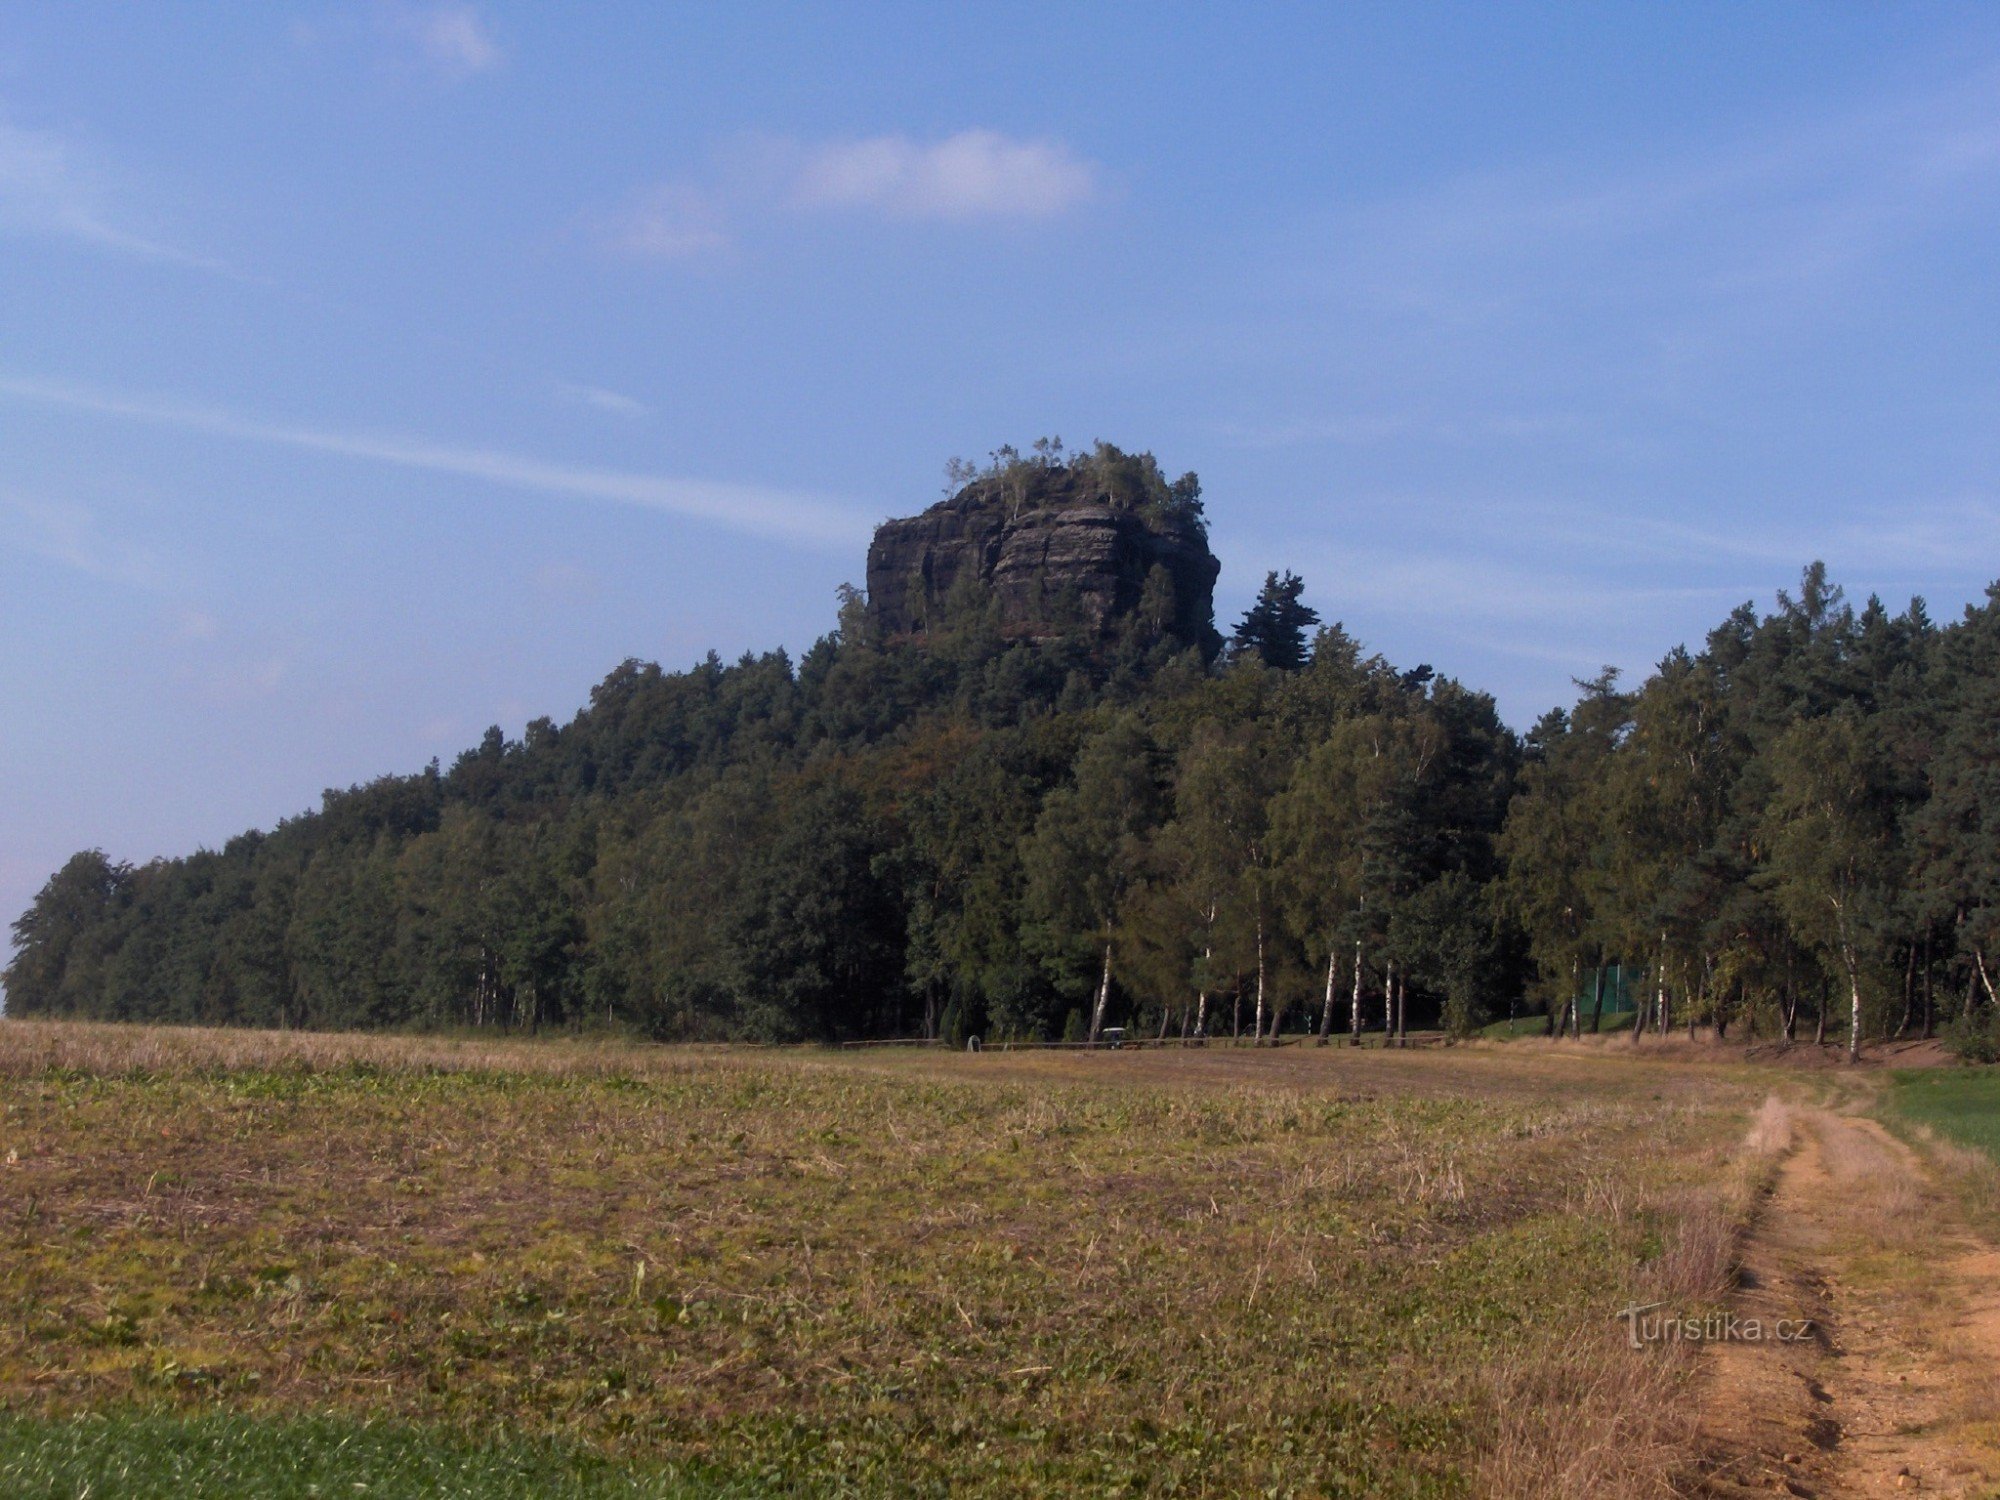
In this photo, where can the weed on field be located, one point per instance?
(1305, 1271)
(154, 1456)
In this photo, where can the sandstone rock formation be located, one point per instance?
(1057, 549)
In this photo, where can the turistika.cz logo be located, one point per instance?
(1648, 1325)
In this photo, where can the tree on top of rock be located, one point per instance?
(1274, 630)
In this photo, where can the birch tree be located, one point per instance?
(1085, 857)
(1830, 832)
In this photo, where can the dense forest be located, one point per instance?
(1793, 832)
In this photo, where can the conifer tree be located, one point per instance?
(1273, 630)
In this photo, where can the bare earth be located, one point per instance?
(1896, 1392)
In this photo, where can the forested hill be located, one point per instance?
(1025, 788)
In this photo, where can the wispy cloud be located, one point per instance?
(1362, 429)
(1526, 623)
(1954, 537)
(616, 402)
(783, 515)
(49, 188)
(452, 39)
(975, 174)
(73, 536)
(1483, 590)
(213, 663)
(1750, 225)
(242, 679)
(667, 222)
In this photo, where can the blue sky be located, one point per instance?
(373, 372)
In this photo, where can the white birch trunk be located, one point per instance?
(1103, 995)
(1257, 1026)
(1354, 1009)
(1853, 1013)
(1326, 1014)
(1201, 995)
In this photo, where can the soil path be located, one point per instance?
(1896, 1390)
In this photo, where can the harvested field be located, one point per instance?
(1301, 1271)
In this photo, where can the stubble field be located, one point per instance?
(305, 1264)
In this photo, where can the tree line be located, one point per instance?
(1794, 826)
(979, 833)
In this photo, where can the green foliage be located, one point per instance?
(956, 1027)
(61, 939)
(1086, 856)
(140, 1455)
(815, 935)
(1790, 823)
(1976, 1037)
(1445, 934)
(1273, 630)
(1796, 822)
(1105, 473)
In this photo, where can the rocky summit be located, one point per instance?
(1052, 549)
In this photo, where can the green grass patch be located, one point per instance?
(139, 1455)
(1962, 1104)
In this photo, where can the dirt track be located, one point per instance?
(1897, 1389)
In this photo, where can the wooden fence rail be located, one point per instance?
(1374, 1040)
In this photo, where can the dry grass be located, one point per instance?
(1955, 1318)
(1957, 1158)
(1589, 1415)
(1885, 1205)
(1310, 1271)
(33, 1048)
(1770, 1132)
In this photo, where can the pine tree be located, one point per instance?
(1274, 629)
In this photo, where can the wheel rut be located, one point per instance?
(1888, 1381)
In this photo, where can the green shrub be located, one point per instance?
(1976, 1037)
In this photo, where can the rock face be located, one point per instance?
(1058, 553)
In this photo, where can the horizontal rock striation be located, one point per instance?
(1056, 553)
